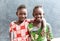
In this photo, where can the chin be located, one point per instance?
(39, 20)
(22, 19)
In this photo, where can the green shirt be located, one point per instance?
(36, 34)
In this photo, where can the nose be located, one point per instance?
(24, 15)
(38, 16)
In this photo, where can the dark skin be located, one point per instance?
(21, 14)
(38, 15)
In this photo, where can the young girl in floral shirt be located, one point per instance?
(39, 29)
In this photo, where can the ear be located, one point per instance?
(16, 13)
(33, 15)
(43, 13)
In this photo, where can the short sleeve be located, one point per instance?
(10, 27)
(49, 31)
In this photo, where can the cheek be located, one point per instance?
(40, 16)
(37, 16)
(25, 15)
(22, 16)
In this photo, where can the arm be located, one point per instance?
(10, 33)
(10, 36)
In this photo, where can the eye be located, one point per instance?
(22, 13)
(36, 14)
(39, 13)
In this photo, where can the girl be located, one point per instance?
(18, 29)
(38, 27)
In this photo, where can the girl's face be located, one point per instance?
(22, 14)
(38, 14)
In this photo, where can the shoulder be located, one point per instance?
(11, 23)
(27, 20)
(48, 26)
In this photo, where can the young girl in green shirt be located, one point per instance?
(39, 29)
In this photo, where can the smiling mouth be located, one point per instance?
(38, 17)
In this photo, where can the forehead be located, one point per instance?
(39, 10)
(23, 10)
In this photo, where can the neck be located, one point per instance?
(36, 23)
(18, 22)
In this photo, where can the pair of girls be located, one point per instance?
(36, 29)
